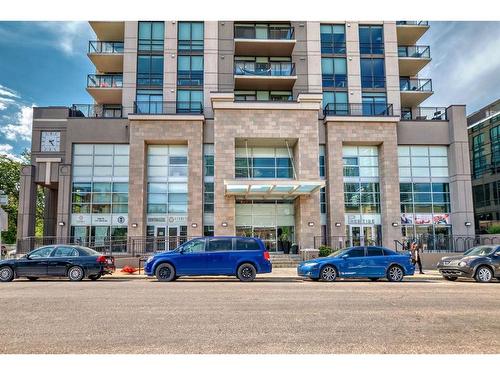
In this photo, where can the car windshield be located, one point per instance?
(479, 251)
(337, 253)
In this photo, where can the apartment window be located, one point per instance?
(208, 230)
(189, 101)
(322, 200)
(263, 162)
(190, 70)
(374, 103)
(332, 39)
(362, 197)
(190, 36)
(423, 162)
(274, 96)
(478, 156)
(149, 71)
(151, 36)
(495, 146)
(334, 72)
(360, 161)
(371, 40)
(208, 197)
(336, 101)
(322, 169)
(208, 160)
(481, 194)
(149, 101)
(372, 73)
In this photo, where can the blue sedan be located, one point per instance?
(372, 262)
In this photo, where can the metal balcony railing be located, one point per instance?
(277, 69)
(424, 113)
(413, 23)
(408, 84)
(167, 108)
(284, 32)
(422, 52)
(95, 111)
(358, 109)
(97, 46)
(105, 80)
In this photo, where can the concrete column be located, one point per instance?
(129, 66)
(335, 186)
(353, 62)
(313, 57)
(226, 56)
(392, 66)
(27, 203)
(170, 62)
(299, 57)
(50, 213)
(460, 175)
(64, 201)
(137, 184)
(210, 64)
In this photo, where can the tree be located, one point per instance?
(10, 173)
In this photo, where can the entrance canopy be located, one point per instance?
(272, 188)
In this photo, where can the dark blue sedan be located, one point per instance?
(242, 257)
(372, 262)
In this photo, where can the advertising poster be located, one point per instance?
(423, 219)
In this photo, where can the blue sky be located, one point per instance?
(45, 63)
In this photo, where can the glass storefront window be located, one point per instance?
(263, 162)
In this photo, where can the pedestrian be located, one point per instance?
(415, 255)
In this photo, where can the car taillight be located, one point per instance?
(101, 259)
(266, 255)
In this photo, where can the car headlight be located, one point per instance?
(150, 259)
(462, 264)
(310, 264)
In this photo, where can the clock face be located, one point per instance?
(50, 142)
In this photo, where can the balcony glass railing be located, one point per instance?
(407, 84)
(167, 108)
(95, 110)
(358, 109)
(423, 113)
(423, 52)
(284, 32)
(413, 23)
(96, 46)
(279, 69)
(105, 80)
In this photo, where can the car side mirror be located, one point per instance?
(25, 256)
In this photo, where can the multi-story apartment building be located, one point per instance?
(295, 132)
(484, 143)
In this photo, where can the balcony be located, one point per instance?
(105, 88)
(108, 30)
(424, 114)
(95, 111)
(106, 56)
(264, 76)
(413, 59)
(263, 40)
(358, 109)
(168, 108)
(409, 32)
(414, 91)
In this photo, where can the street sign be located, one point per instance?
(4, 199)
(4, 220)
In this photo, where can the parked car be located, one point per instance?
(372, 262)
(73, 262)
(243, 257)
(481, 263)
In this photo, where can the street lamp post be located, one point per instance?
(3, 218)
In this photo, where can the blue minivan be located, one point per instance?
(243, 257)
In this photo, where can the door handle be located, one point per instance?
(43, 263)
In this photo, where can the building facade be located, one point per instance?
(484, 143)
(300, 132)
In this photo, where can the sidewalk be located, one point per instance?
(278, 273)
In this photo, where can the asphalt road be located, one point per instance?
(226, 316)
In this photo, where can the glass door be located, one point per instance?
(173, 237)
(355, 235)
(267, 235)
(362, 235)
(161, 234)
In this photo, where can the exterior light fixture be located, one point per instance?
(338, 225)
(395, 224)
(134, 225)
(194, 225)
(311, 223)
(61, 224)
(468, 223)
(224, 224)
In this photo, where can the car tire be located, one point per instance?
(165, 272)
(94, 277)
(395, 274)
(483, 274)
(374, 278)
(76, 273)
(328, 273)
(6, 274)
(450, 278)
(246, 272)
(32, 278)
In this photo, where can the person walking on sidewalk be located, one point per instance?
(415, 255)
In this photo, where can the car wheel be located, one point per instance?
(6, 274)
(32, 278)
(374, 278)
(483, 274)
(76, 273)
(246, 272)
(94, 277)
(328, 273)
(450, 278)
(395, 273)
(165, 272)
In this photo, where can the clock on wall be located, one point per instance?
(50, 142)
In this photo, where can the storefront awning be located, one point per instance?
(272, 188)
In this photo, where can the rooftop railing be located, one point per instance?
(424, 114)
(105, 80)
(284, 32)
(96, 111)
(97, 46)
(409, 84)
(358, 109)
(413, 23)
(423, 52)
(274, 69)
(167, 108)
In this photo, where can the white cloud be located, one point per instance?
(5, 150)
(21, 129)
(7, 97)
(67, 36)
